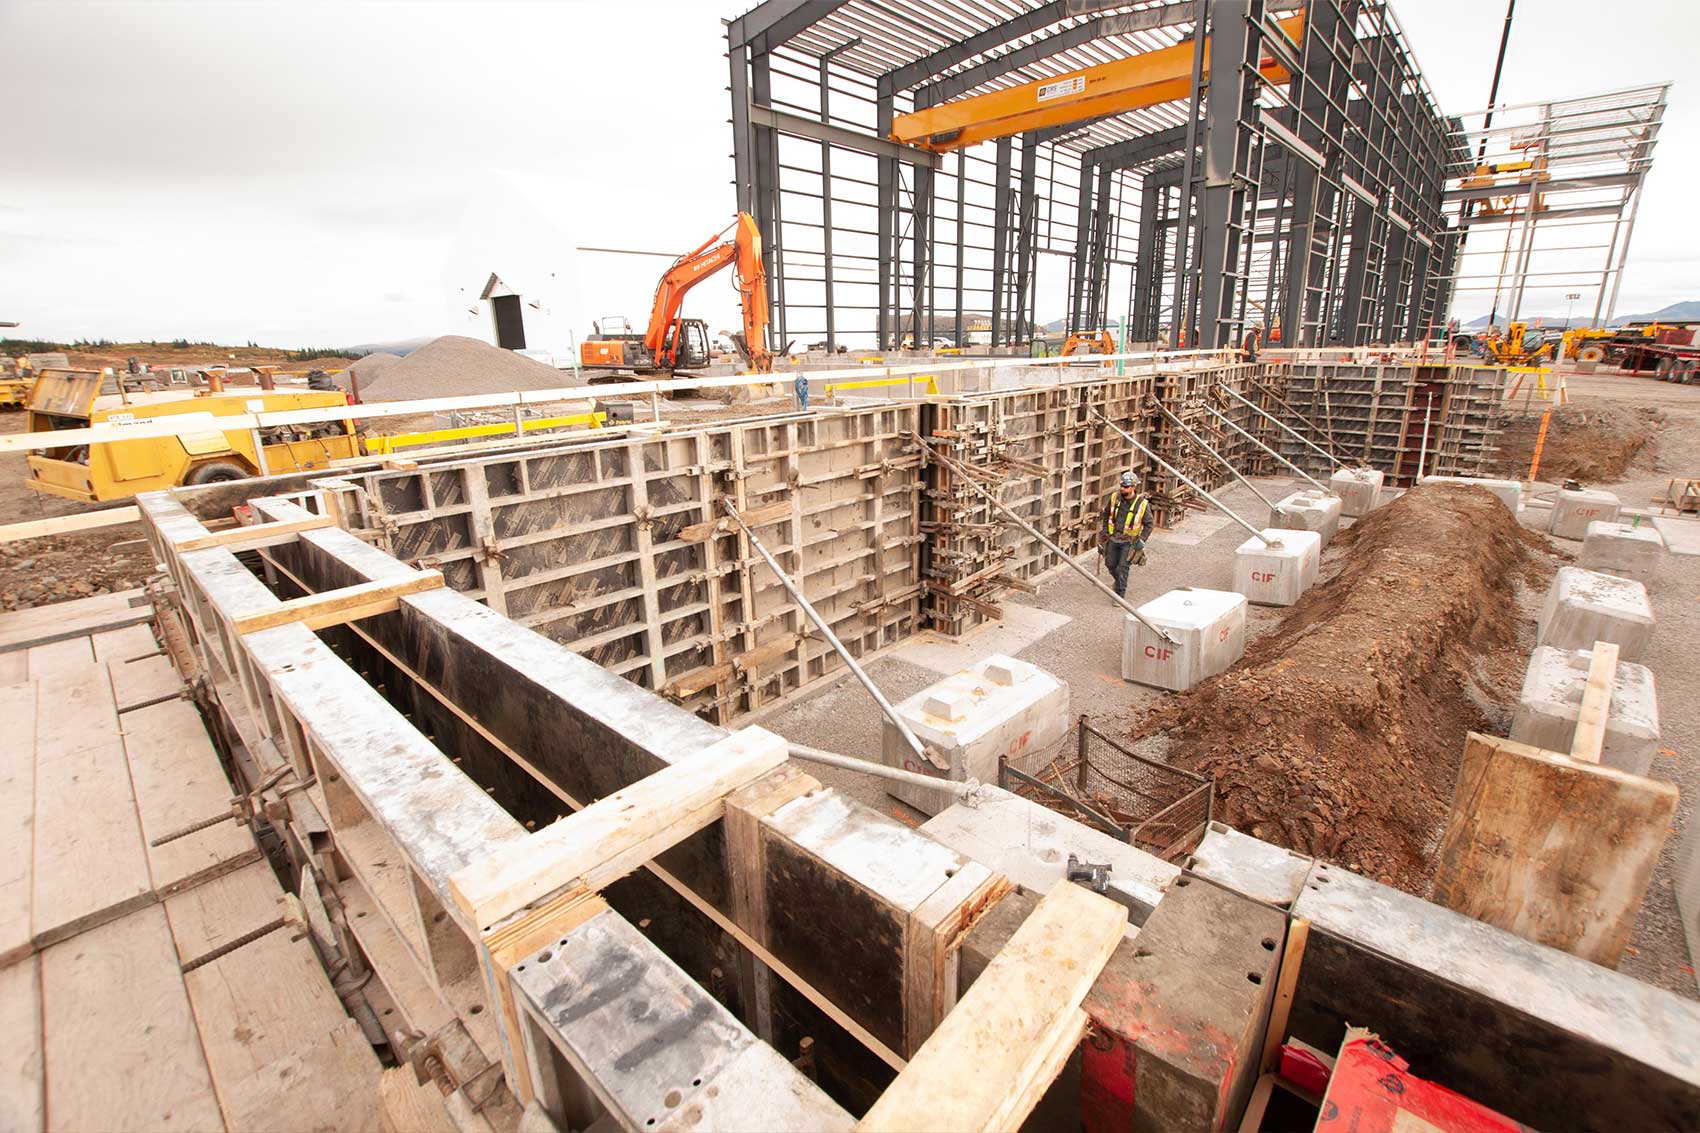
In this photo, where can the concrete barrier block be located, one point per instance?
(1309, 511)
(1209, 631)
(1277, 574)
(1510, 492)
(1584, 606)
(998, 707)
(1623, 548)
(1552, 697)
(1575, 508)
(1359, 490)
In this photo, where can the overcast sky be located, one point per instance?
(293, 173)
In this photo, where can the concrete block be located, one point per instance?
(1209, 631)
(1359, 490)
(1552, 697)
(1623, 548)
(997, 707)
(1687, 883)
(1574, 509)
(1510, 492)
(1250, 866)
(1309, 511)
(1278, 574)
(1584, 606)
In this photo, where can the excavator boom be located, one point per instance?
(743, 252)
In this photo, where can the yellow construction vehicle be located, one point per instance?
(1517, 347)
(110, 470)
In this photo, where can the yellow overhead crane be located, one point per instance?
(1154, 77)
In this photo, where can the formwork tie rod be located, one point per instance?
(1199, 441)
(1184, 478)
(1332, 460)
(909, 737)
(1211, 409)
(969, 791)
(1009, 513)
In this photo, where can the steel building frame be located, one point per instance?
(1311, 208)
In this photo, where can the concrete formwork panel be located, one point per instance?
(1552, 698)
(1359, 490)
(1510, 492)
(1277, 569)
(1583, 607)
(998, 708)
(1623, 548)
(1574, 509)
(1209, 631)
(1309, 511)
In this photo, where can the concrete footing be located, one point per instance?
(1510, 492)
(1584, 606)
(1209, 631)
(1574, 509)
(1309, 511)
(1277, 572)
(1623, 548)
(1359, 490)
(996, 708)
(1552, 697)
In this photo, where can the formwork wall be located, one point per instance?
(1379, 415)
(602, 547)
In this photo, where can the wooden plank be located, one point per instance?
(1555, 850)
(17, 821)
(255, 535)
(409, 1107)
(934, 932)
(125, 644)
(89, 863)
(208, 916)
(121, 1048)
(990, 1059)
(66, 524)
(39, 625)
(757, 517)
(178, 782)
(617, 834)
(55, 660)
(136, 684)
(22, 1106)
(1298, 932)
(1590, 735)
(14, 667)
(334, 607)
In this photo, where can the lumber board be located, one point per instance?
(137, 684)
(125, 644)
(1281, 1010)
(755, 517)
(179, 781)
(254, 535)
(1556, 850)
(89, 862)
(1590, 734)
(22, 1106)
(55, 660)
(69, 524)
(334, 607)
(209, 916)
(120, 1044)
(17, 820)
(409, 1107)
(616, 834)
(988, 1062)
(934, 932)
(40, 625)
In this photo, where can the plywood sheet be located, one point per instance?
(179, 781)
(121, 1049)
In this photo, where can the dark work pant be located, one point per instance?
(1119, 557)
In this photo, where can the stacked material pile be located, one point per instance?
(452, 366)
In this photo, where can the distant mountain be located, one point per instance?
(399, 348)
(1688, 311)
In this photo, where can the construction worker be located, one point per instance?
(1123, 529)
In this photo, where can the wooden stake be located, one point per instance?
(1590, 734)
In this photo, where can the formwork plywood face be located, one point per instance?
(597, 545)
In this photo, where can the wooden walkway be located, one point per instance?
(105, 1029)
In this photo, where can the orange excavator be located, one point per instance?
(673, 343)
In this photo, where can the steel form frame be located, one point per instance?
(1315, 207)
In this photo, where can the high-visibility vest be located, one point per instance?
(1135, 517)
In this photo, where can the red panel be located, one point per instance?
(1373, 1091)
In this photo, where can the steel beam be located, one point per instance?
(798, 126)
(770, 24)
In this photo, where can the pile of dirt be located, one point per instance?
(452, 366)
(1594, 444)
(1340, 732)
(41, 572)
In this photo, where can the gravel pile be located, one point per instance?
(452, 366)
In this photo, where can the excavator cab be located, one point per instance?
(687, 344)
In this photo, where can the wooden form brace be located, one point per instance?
(255, 535)
(334, 607)
(993, 1057)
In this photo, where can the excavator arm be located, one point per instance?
(743, 252)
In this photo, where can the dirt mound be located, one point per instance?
(1594, 444)
(451, 366)
(40, 572)
(1339, 733)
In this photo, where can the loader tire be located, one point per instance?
(216, 472)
